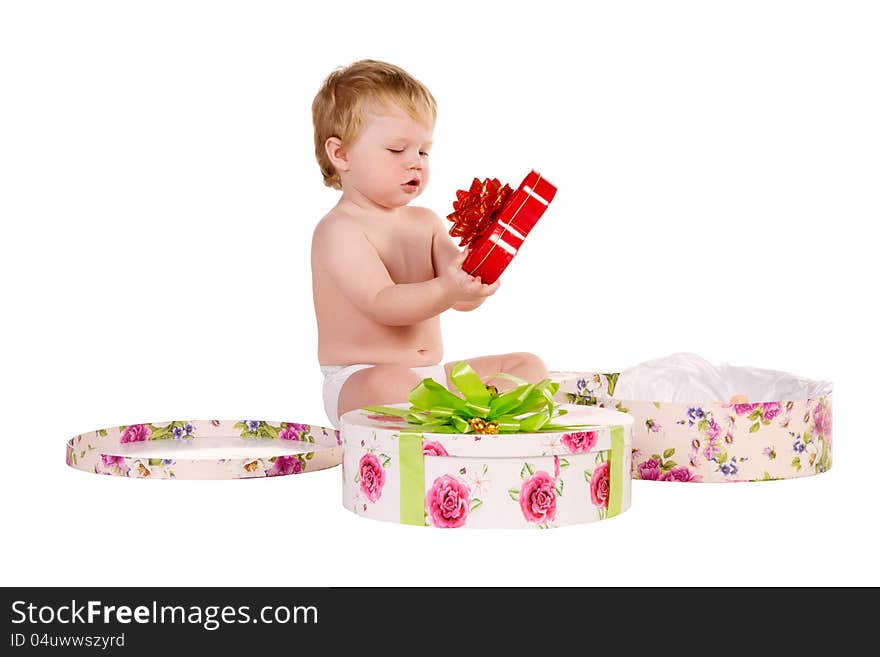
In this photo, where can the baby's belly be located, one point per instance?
(349, 342)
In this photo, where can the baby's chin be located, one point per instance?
(392, 201)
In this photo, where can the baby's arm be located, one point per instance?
(444, 253)
(343, 250)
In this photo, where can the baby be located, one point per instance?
(383, 270)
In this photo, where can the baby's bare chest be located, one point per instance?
(405, 251)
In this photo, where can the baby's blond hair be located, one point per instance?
(337, 110)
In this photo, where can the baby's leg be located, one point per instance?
(522, 364)
(375, 386)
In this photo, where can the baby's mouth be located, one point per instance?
(412, 185)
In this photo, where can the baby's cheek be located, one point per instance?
(381, 179)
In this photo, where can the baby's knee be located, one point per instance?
(528, 360)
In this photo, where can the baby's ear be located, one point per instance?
(336, 153)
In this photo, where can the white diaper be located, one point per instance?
(335, 377)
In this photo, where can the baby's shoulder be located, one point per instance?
(335, 225)
(423, 216)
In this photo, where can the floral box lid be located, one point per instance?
(206, 449)
(590, 431)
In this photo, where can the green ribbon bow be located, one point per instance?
(528, 408)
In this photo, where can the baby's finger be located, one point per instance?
(490, 289)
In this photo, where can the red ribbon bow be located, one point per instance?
(476, 208)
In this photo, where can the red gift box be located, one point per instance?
(494, 221)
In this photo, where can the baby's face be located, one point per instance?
(388, 163)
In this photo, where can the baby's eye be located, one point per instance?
(396, 150)
(425, 153)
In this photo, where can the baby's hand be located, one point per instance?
(461, 285)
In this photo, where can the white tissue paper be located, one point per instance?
(687, 378)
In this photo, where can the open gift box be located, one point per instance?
(516, 480)
(784, 431)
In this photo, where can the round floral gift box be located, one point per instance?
(514, 480)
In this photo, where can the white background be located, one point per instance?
(717, 166)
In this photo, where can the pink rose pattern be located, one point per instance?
(580, 441)
(110, 461)
(649, 469)
(537, 498)
(433, 448)
(679, 473)
(538, 493)
(372, 477)
(448, 502)
(822, 421)
(286, 465)
(661, 467)
(293, 431)
(771, 410)
(114, 463)
(135, 434)
(600, 484)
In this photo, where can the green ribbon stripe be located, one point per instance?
(412, 478)
(616, 474)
